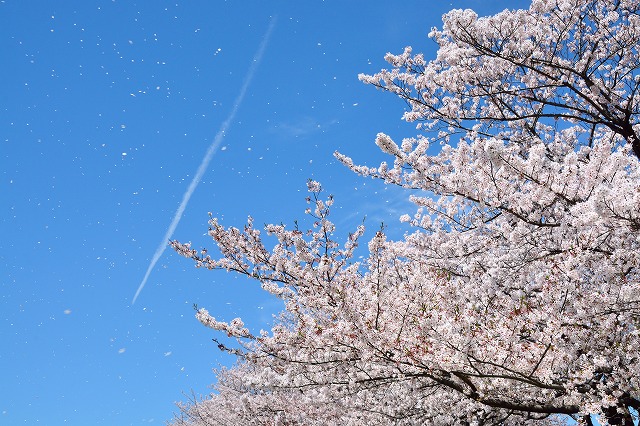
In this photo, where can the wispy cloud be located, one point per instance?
(302, 127)
(213, 148)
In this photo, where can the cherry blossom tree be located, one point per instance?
(515, 298)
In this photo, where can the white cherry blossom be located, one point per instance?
(515, 297)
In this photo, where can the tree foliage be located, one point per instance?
(515, 298)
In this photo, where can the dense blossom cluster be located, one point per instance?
(516, 298)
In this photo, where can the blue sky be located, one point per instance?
(107, 109)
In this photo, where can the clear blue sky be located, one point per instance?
(106, 111)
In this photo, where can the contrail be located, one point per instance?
(208, 156)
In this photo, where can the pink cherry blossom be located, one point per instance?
(515, 298)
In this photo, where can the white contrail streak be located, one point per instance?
(207, 158)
